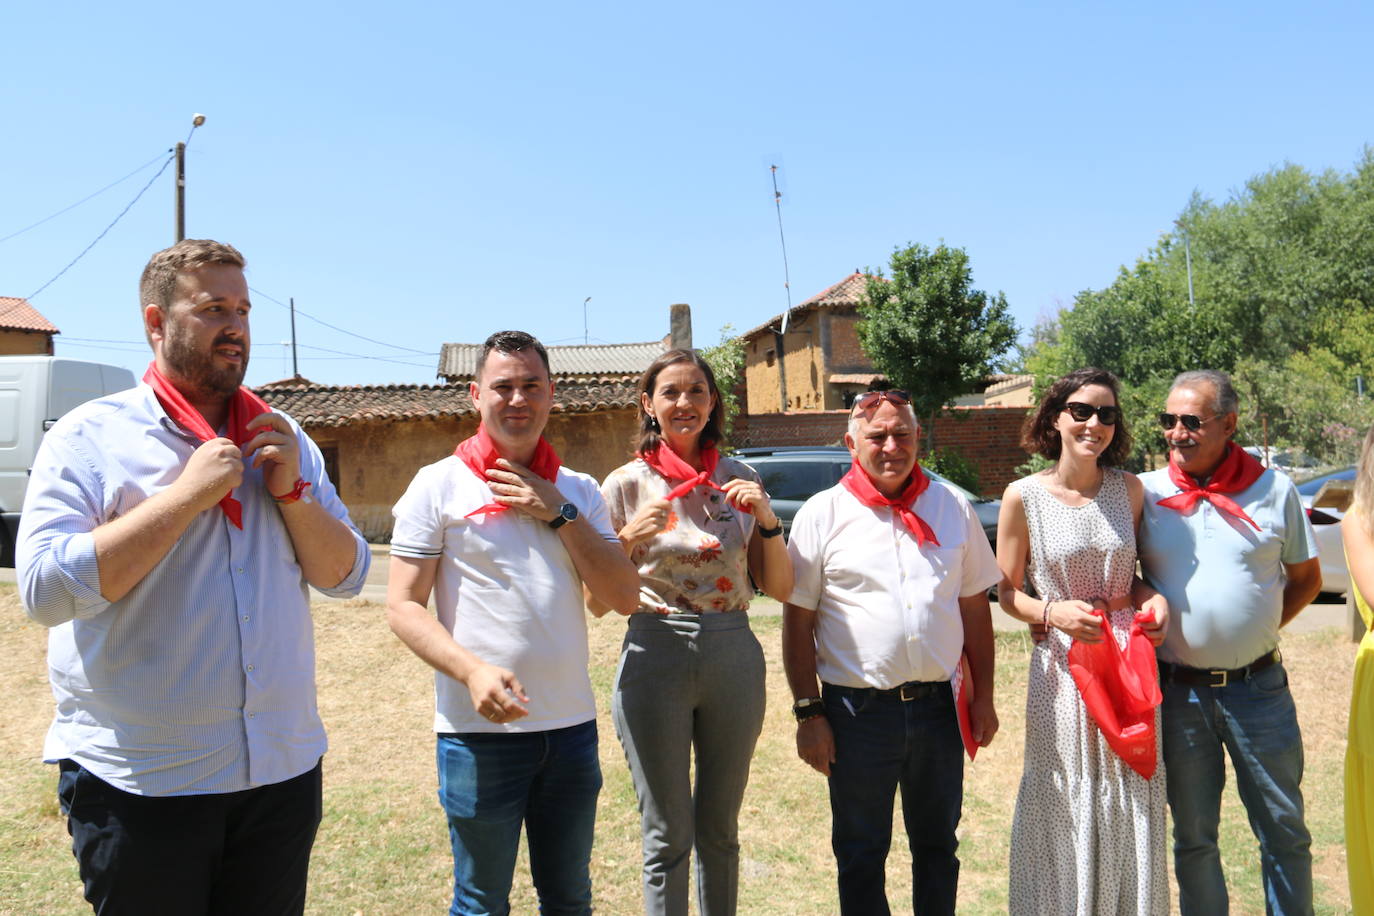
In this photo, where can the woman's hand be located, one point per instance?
(1078, 619)
(750, 496)
(1154, 619)
(651, 518)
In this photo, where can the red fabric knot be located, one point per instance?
(244, 405)
(671, 467)
(479, 453)
(1238, 469)
(857, 481)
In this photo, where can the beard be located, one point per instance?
(196, 369)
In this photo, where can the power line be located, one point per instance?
(81, 201)
(380, 343)
(40, 289)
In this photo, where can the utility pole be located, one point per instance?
(196, 121)
(295, 373)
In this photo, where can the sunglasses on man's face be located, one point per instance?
(891, 395)
(1107, 414)
(1191, 422)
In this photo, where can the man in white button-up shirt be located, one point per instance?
(167, 538)
(892, 576)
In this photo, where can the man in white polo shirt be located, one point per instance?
(1228, 544)
(892, 576)
(508, 538)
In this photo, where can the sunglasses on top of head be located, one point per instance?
(1191, 422)
(891, 395)
(1107, 414)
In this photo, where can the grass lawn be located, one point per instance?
(383, 847)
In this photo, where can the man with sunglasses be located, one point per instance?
(1228, 544)
(892, 575)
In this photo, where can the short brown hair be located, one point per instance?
(711, 434)
(159, 279)
(1040, 436)
(510, 342)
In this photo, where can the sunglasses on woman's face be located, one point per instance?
(1107, 414)
(1191, 422)
(891, 395)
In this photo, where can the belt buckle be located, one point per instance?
(907, 692)
(1224, 674)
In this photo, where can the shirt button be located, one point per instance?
(245, 618)
(252, 715)
(250, 667)
(240, 570)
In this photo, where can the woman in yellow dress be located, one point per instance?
(1357, 530)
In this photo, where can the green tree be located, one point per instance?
(726, 360)
(929, 331)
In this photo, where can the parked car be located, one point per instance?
(1326, 499)
(794, 474)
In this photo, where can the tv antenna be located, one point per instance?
(786, 276)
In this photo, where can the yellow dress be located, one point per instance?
(1359, 772)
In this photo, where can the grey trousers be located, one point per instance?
(690, 680)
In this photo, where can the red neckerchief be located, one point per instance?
(479, 453)
(857, 481)
(668, 463)
(244, 405)
(1238, 469)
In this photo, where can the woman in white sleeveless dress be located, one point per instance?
(1089, 831)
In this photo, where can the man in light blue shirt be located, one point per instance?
(1228, 544)
(167, 539)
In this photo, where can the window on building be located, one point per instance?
(330, 453)
(771, 357)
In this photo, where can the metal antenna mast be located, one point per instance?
(786, 275)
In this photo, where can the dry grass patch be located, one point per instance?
(383, 846)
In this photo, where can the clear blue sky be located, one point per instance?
(418, 173)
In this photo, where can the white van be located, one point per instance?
(34, 392)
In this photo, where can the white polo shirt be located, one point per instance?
(887, 609)
(507, 590)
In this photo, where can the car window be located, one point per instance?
(1310, 487)
(798, 479)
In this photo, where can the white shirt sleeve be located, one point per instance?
(419, 528)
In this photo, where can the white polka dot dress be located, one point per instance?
(1089, 832)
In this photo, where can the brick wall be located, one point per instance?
(987, 436)
(845, 353)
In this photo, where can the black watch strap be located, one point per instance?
(771, 532)
(808, 708)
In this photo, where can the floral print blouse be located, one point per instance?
(699, 563)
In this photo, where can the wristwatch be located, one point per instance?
(808, 708)
(771, 532)
(566, 513)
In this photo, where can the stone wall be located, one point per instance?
(377, 459)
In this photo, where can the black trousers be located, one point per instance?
(186, 855)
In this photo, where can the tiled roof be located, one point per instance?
(18, 315)
(459, 361)
(340, 405)
(857, 378)
(845, 293)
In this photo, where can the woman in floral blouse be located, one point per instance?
(698, 526)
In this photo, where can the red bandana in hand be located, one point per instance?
(856, 481)
(479, 453)
(1120, 690)
(669, 464)
(1238, 469)
(243, 406)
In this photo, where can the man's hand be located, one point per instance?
(982, 721)
(1156, 627)
(496, 694)
(520, 488)
(816, 743)
(274, 448)
(651, 518)
(214, 469)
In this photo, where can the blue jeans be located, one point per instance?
(1255, 721)
(491, 784)
(882, 743)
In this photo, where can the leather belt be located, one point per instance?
(1217, 677)
(908, 692)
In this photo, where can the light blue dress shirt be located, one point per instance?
(1223, 579)
(202, 678)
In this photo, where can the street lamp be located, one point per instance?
(196, 120)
